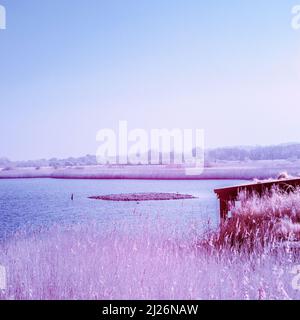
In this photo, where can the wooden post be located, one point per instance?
(224, 206)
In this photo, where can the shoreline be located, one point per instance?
(221, 171)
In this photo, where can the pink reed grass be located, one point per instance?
(261, 221)
(151, 263)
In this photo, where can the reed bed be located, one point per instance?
(250, 257)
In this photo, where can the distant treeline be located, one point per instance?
(87, 160)
(277, 152)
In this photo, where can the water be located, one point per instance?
(46, 202)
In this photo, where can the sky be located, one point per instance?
(70, 68)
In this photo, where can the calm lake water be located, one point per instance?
(46, 202)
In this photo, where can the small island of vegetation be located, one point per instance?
(143, 196)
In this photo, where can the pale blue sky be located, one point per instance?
(69, 68)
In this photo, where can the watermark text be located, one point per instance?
(2, 278)
(2, 17)
(296, 278)
(296, 17)
(156, 146)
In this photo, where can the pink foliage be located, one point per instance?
(260, 221)
(149, 263)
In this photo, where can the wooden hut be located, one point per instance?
(230, 194)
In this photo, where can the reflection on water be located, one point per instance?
(44, 202)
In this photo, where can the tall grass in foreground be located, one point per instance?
(149, 263)
(262, 221)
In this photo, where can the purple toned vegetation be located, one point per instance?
(143, 196)
(263, 221)
(251, 257)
